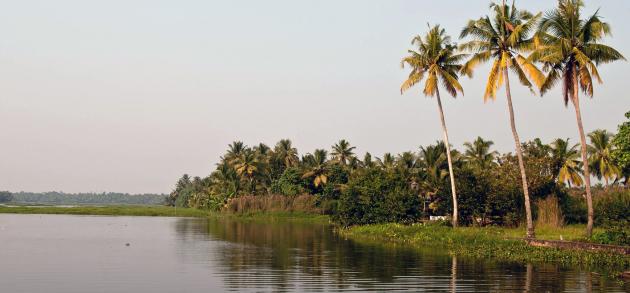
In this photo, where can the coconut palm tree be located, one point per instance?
(478, 153)
(601, 160)
(502, 39)
(316, 167)
(368, 162)
(570, 49)
(388, 162)
(437, 60)
(567, 162)
(285, 151)
(246, 165)
(342, 152)
(434, 169)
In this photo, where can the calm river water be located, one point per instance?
(65, 254)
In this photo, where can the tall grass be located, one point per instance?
(549, 213)
(249, 204)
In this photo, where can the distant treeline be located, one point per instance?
(58, 198)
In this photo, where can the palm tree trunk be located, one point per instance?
(587, 174)
(519, 154)
(448, 157)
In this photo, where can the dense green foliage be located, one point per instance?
(621, 153)
(5, 196)
(111, 198)
(403, 188)
(497, 243)
(376, 196)
(479, 186)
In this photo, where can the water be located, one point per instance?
(64, 254)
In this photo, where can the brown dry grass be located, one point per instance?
(249, 204)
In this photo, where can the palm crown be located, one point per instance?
(436, 57)
(569, 48)
(502, 38)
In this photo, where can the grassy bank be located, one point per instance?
(153, 211)
(490, 242)
(162, 211)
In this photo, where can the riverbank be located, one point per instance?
(493, 243)
(160, 211)
(488, 242)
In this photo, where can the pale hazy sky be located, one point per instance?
(127, 95)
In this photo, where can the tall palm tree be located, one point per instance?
(235, 149)
(567, 162)
(434, 169)
(368, 162)
(225, 181)
(478, 153)
(502, 39)
(316, 167)
(388, 162)
(342, 152)
(601, 159)
(437, 60)
(570, 48)
(247, 165)
(285, 151)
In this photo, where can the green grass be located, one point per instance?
(492, 242)
(153, 211)
(162, 211)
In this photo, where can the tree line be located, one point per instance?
(560, 47)
(60, 198)
(408, 186)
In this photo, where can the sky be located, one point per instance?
(128, 95)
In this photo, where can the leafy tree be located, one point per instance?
(5, 196)
(437, 60)
(502, 39)
(621, 153)
(601, 160)
(377, 196)
(570, 49)
(290, 183)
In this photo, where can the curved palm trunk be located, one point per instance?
(587, 174)
(448, 157)
(519, 153)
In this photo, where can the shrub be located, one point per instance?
(617, 235)
(573, 208)
(377, 196)
(289, 183)
(612, 208)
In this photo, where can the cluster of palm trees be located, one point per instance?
(566, 46)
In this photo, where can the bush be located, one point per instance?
(612, 208)
(617, 235)
(377, 196)
(289, 183)
(573, 208)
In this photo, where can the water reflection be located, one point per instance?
(250, 256)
